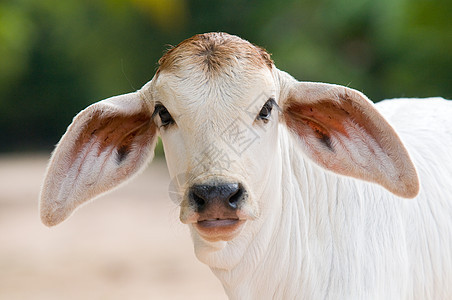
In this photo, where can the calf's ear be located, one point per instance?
(106, 144)
(340, 130)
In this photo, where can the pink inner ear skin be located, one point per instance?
(323, 118)
(118, 131)
(330, 116)
(349, 137)
(327, 118)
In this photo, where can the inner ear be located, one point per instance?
(341, 131)
(117, 132)
(323, 120)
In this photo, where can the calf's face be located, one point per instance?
(219, 105)
(219, 136)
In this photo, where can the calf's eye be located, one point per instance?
(266, 110)
(165, 116)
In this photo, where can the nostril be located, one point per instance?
(233, 201)
(227, 195)
(200, 202)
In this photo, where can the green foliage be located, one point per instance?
(57, 57)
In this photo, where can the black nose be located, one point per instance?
(225, 194)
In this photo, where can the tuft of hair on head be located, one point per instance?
(213, 52)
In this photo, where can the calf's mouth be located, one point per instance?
(218, 229)
(211, 223)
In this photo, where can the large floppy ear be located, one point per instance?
(340, 130)
(106, 144)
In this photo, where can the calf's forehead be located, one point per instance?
(225, 92)
(213, 71)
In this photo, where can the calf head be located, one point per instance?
(219, 104)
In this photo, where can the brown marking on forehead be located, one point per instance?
(212, 52)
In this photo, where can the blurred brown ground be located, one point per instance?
(128, 244)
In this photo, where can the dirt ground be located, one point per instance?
(128, 244)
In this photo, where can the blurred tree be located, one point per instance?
(56, 57)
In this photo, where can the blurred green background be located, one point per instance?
(57, 57)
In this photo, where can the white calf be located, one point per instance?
(291, 189)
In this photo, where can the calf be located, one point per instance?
(290, 189)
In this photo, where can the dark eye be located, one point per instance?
(165, 116)
(266, 110)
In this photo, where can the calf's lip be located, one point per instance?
(219, 229)
(218, 222)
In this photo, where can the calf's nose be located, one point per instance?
(227, 195)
